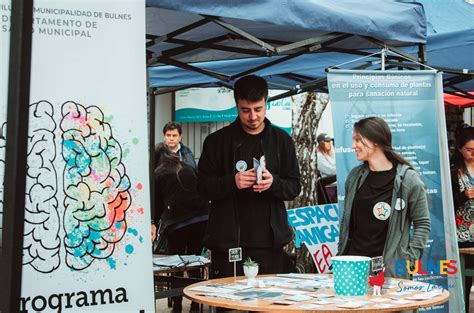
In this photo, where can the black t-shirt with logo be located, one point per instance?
(371, 211)
(253, 207)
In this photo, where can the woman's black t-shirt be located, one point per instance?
(371, 210)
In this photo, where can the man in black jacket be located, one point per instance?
(172, 134)
(247, 211)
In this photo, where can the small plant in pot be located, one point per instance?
(250, 268)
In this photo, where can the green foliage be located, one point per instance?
(249, 262)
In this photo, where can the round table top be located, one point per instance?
(399, 289)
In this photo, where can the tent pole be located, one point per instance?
(180, 31)
(151, 149)
(382, 58)
(16, 154)
(262, 44)
(422, 54)
(382, 44)
(317, 45)
(164, 90)
(461, 94)
(210, 46)
(179, 50)
(455, 80)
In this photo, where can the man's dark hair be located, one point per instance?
(251, 88)
(172, 126)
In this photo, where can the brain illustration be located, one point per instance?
(93, 188)
(41, 239)
(96, 187)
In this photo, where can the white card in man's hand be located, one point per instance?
(258, 169)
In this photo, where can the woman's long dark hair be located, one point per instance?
(166, 161)
(463, 136)
(377, 131)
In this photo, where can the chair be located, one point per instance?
(321, 184)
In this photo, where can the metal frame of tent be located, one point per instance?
(284, 49)
(264, 47)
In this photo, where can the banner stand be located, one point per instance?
(411, 104)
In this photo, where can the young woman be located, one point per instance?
(325, 156)
(462, 176)
(326, 159)
(384, 198)
(182, 213)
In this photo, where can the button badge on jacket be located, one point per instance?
(382, 210)
(399, 204)
(241, 166)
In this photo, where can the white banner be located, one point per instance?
(318, 228)
(87, 245)
(218, 105)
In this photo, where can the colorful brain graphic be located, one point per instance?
(96, 186)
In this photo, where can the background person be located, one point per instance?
(325, 156)
(462, 176)
(384, 195)
(245, 212)
(182, 212)
(172, 138)
(326, 162)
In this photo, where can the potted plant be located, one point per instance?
(250, 268)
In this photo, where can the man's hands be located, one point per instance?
(248, 179)
(469, 192)
(265, 183)
(245, 179)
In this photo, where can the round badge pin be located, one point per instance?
(382, 210)
(399, 204)
(241, 165)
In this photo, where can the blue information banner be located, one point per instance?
(411, 104)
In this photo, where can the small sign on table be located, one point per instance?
(376, 264)
(235, 255)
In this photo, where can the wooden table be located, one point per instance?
(465, 271)
(266, 305)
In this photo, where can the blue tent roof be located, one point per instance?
(450, 44)
(276, 26)
(452, 50)
(392, 20)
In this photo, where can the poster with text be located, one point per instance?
(317, 227)
(87, 245)
(218, 105)
(411, 104)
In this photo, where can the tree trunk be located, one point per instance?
(307, 111)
